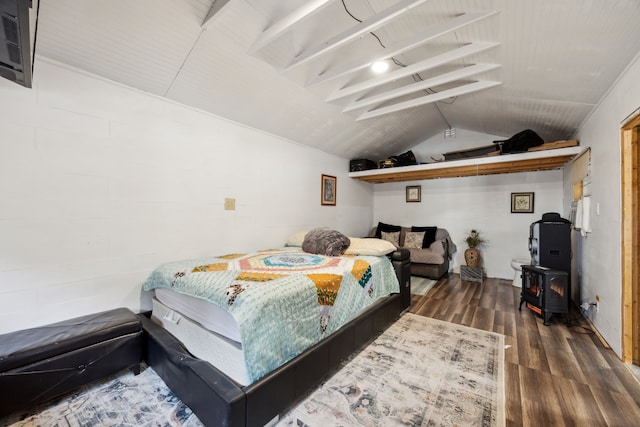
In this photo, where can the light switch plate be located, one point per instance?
(229, 204)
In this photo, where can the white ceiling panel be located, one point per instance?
(140, 43)
(554, 60)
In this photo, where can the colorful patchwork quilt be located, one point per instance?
(283, 301)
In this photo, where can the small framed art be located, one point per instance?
(328, 190)
(521, 202)
(413, 193)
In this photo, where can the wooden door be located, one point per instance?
(631, 241)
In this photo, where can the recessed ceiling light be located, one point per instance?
(380, 66)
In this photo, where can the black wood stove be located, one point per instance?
(545, 291)
(546, 282)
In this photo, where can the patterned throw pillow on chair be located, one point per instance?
(429, 234)
(387, 228)
(392, 237)
(413, 239)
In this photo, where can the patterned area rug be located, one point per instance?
(124, 400)
(420, 372)
(421, 285)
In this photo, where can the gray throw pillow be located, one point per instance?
(324, 241)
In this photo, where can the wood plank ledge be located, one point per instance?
(508, 163)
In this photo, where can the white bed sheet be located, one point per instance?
(208, 315)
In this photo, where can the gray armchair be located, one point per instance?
(432, 262)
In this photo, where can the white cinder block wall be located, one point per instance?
(600, 255)
(100, 183)
(482, 203)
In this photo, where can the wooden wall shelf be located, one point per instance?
(507, 163)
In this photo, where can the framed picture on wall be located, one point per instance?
(328, 190)
(521, 202)
(413, 193)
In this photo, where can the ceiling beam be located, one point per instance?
(275, 30)
(426, 64)
(452, 76)
(427, 99)
(353, 33)
(215, 9)
(403, 46)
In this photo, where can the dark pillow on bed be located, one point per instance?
(324, 241)
(387, 228)
(429, 235)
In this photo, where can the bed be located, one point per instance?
(225, 358)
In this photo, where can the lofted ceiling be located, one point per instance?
(300, 69)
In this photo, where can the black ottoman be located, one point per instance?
(41, 363)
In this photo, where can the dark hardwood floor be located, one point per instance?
(555, 375)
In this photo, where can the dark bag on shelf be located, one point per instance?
(487, 150)
(405, 159)
(520, 142)
(357, 165)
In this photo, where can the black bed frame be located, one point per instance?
(219, 401)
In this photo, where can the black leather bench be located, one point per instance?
(41, 363)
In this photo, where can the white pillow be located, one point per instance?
(296, 239)
(375, 247)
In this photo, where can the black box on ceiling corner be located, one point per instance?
(357, 165)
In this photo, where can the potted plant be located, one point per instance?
(472, 254)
